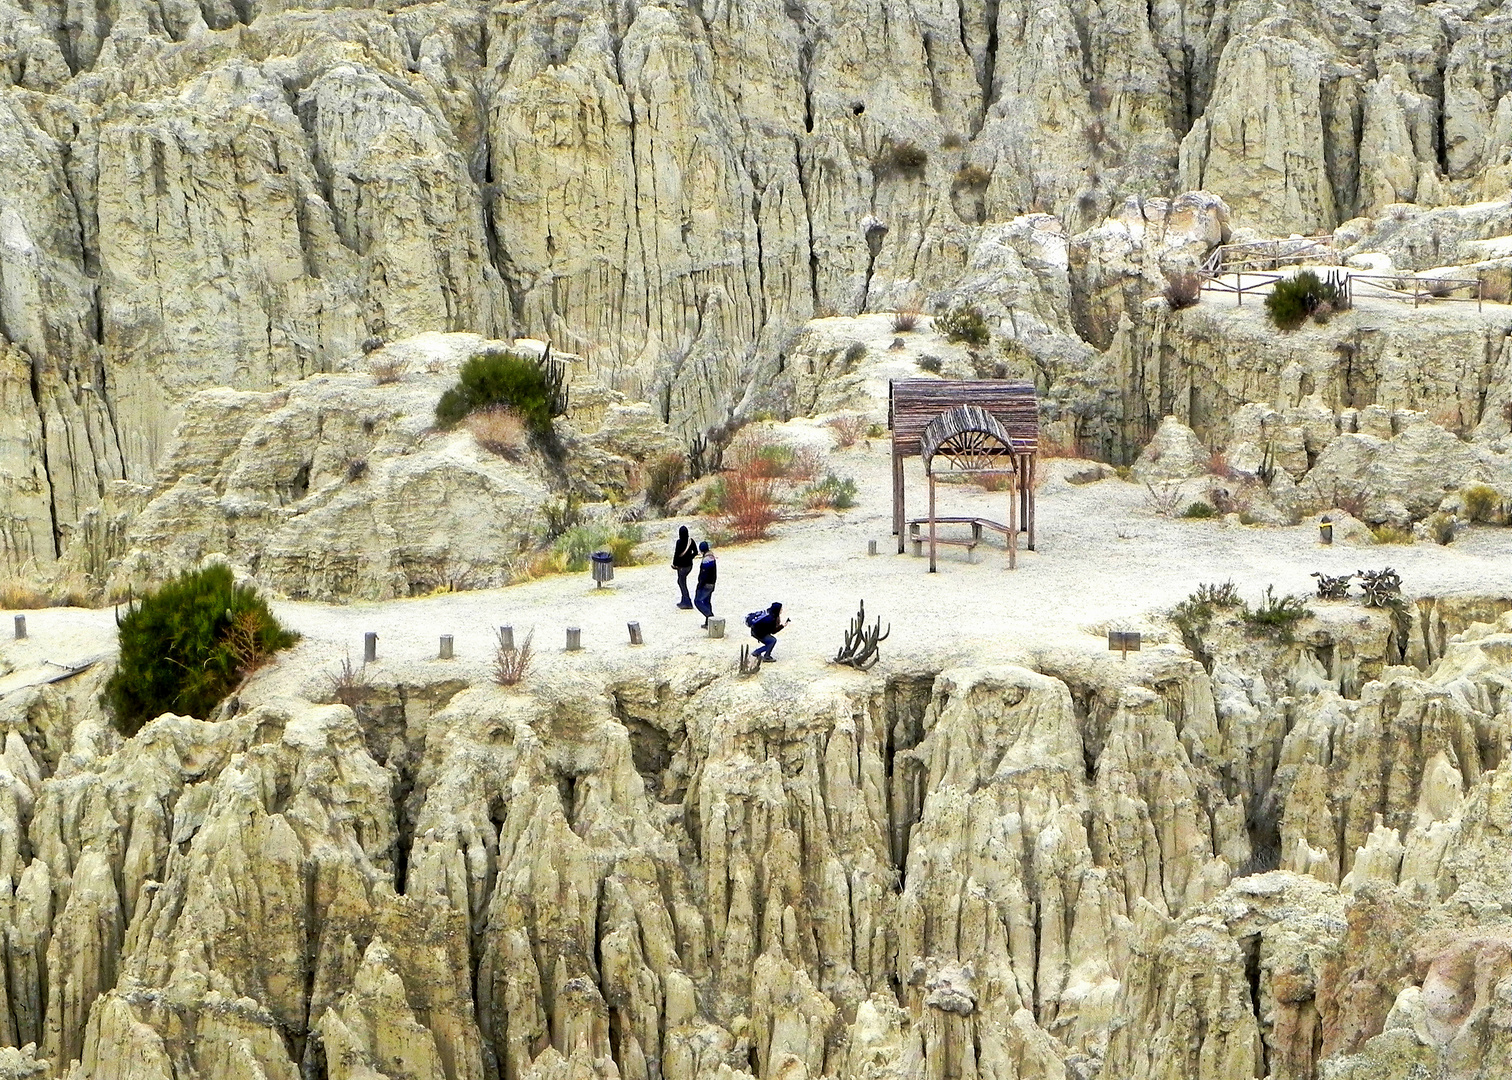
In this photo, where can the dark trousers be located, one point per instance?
(703, 600)
(768, 643)
(682, 583)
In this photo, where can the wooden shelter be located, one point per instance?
(979, 427)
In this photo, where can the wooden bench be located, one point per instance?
(976, 524)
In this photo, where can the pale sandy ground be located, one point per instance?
(1104, 560)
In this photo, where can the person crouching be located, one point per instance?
(765, 630)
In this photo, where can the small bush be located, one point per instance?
(832, 493)
(1277, 616)
(1164, 500)
(848, 429)
(808, 462)
(901, 158)
(350, 685)
(562, 514)
(512, 665)
(371, 345)
(964, 324)
(579, 542)
(1480, 501)
(758, 451)
(875, 431)
(1183, 289)
(532, 389)
(665, 477)
(388, 369)
(1194, 615)
(185, 647)
(1293, 299)
(972, 176)
(932, 364)
(855, 352)
(356, 469)
(905, 320)
(749, 505)
(1199, 510)
(1391, 534)
(19, 596)
(499, 430)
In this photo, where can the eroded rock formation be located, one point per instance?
(1279, 861)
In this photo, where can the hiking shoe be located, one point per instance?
(685, 607)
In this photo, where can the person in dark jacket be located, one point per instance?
(708, 573)
(766, 629)
(683, 554)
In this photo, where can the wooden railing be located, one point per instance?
(1415, 287)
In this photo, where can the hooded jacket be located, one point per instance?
(685, 551)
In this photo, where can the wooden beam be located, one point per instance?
(897, 478)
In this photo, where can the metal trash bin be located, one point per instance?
(603, 567)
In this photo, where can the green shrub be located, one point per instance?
(964, 324)
(1199, 510)
(833, 492)
(1277, 616)
(1481, 502)
(187, 645)
(532, 389)
(1293, 299)
(581, 541)
(855, 353)
(665, 477)
(562, 514)
(932, 364)
(900, 158)
(1391, 534)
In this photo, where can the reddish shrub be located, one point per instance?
(750, 505)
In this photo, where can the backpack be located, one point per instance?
(755, 617)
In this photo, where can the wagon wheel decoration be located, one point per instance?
(970, 439)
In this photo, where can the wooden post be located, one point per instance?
(446, 647)
(898, 515)
(635, 634)
(932, 544)
(871, 547)
(1480, 293)
(574, 638)
(1033, 502)
(1238, 288)
(506, 638)
(1012, 523)
(20, 627)
(369, 648)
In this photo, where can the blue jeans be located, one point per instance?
(703, 600)
(682, 583)
(768, 643)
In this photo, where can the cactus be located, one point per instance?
(1333, 588)
(861, 641)
(1381, 587)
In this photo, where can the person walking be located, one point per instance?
(708, 574)
(765, 626)
(683, 554)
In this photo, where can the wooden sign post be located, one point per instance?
(1123, 641)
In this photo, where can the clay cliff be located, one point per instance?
(238, 195)
(1271, 861)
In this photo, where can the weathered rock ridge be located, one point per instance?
(237, 195)
(1277, 861)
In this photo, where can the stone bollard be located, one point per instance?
(635, 634)
(716, 627)
(574, 638)
(446, 647)
(20, 627)
(506, 638)
(871, 547)
(1325, 530)
(369, 648)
